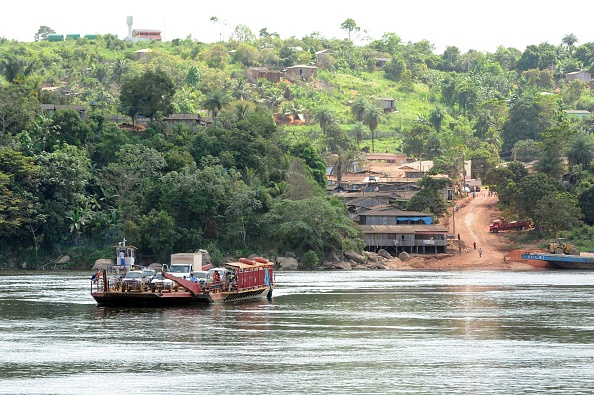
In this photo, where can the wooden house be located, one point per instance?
(583, 76)
(301, 71)
(253, 74)
(381, 62)
(411, 172)
(143, 54)
(192, 121)
(419, 239)
(50, 109)
(389, 215)
(578, 113)
(385, 103)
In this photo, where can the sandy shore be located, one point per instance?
(471, 224)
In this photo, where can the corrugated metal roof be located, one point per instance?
(403, 229)
(183, 117)
(387, 210)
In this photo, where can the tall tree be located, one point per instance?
(430, 197)
(215, 101)
(581, 150)
(350, 26)
(147, 94)
(558, 211)
(325, 116)
(529, 117)
(16, 68)
(18, 109)
(358, 107)
(550, 163)
(43, 32)
(372, 117)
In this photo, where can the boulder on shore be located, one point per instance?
(342, 265)
(403, 256)
(102, 264)
(385, 254)
(352, 255)
(372, 257)
(287, 263)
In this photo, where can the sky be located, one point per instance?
(466, 24)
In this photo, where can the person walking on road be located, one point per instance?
(474, 245)
(480, 252)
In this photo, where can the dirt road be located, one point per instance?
(472, 221)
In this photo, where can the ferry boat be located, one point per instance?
(246, 279)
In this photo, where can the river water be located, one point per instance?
(323, 332)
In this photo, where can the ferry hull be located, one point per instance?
(118, 298)
(575, 262)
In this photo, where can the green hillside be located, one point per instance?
(253, 179)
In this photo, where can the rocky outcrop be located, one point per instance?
(287, 263)
(102, 264)
(352, 255)
(350, 260)
(342, 265)
(403, 256)
(384, 254)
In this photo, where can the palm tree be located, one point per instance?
(118, 69)
(15, 68)
(242, 109)
(569, 39)
(215, 101)
(550, 163)
(372, 117)
(358, 131)
(494, 137)
(437, 116)
(274, 97)
(325, 116)
(241, 90)
(358, 107)
(581, 150)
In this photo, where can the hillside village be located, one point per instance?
(268, 145)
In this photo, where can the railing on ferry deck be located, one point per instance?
(244, 281)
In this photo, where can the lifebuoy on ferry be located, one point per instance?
(261, 260)
(244, 260)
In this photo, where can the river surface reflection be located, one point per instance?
(323, 332)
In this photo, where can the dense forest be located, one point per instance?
(253, 180)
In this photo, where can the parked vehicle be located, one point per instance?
(160, 282)
(132, 281)
(502, 224)
(147, 275)
(562, 247)
(183, 264)
(202, 276)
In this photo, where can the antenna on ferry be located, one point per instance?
(124, 242)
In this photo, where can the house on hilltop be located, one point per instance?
(192, 121)
(583, 76)
(253, 74)
(301, 71)
(50, 109)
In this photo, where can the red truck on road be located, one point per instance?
(502, 224)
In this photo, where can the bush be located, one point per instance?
(216, 256)
(309, 261)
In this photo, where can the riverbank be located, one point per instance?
(477, 248)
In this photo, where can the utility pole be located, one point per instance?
(454, 220)
(464, 173)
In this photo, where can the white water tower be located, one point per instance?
(129, 20)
